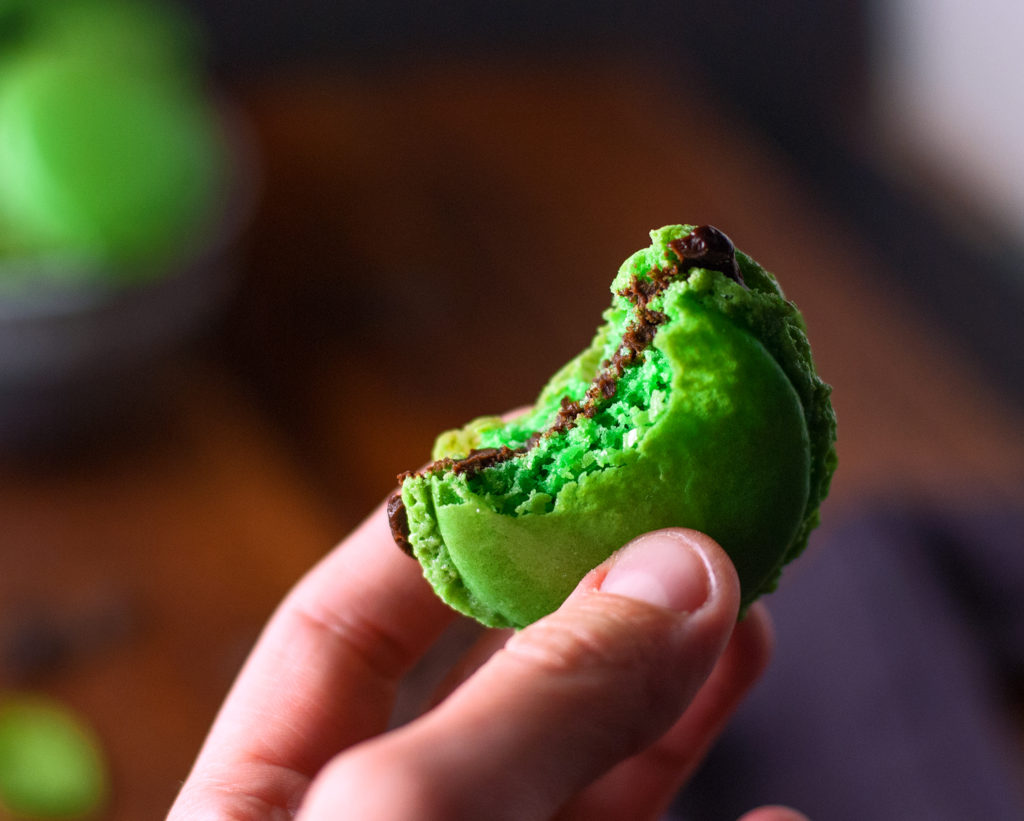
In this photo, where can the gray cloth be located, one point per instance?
(900, 637)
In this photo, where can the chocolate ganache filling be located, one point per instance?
(705, 247)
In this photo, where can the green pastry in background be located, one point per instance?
(696, 405)
(51, 765)
(157, 37)
(111, 156)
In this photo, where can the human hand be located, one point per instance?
(602, 710)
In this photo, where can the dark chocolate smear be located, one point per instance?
(398, 520)
(477, 460)
(707, 247)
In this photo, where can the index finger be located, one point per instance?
(321, 677)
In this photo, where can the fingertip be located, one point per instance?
(754, 638)
(676, 568)
(774, 813)
(664, 569)
(710, 548)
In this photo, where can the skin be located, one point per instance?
(601, 710)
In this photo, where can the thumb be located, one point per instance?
(566, 698)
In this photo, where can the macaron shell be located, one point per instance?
(103, 163)
(729, 455)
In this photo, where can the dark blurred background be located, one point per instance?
(427, 202)
(847, 90)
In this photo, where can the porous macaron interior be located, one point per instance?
(576, 428)
(531, 481)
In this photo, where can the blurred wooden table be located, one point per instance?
(430, 246)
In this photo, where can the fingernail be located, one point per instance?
(662, 568)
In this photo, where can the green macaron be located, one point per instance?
(51, 763)
(696, 405)
(103, 163)
(157, 37)
(111, 156)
